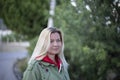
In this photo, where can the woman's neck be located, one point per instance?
(52, 57)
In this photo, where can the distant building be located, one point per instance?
(3, 30)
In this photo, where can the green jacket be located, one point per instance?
(39, 70)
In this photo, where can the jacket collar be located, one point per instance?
(48, 61)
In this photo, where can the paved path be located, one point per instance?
(7, 59)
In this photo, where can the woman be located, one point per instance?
(47, 61)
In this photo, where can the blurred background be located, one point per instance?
(91, 32)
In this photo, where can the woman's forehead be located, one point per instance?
(54, 35)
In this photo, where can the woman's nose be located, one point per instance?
(55, 43)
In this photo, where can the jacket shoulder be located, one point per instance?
(32, 72)
(33, 64)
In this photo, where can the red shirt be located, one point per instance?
(58, 61)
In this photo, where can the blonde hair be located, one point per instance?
(43, 43)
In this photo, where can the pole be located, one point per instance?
(51, 12)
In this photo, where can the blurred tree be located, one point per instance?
(26, 17)
(92, 37)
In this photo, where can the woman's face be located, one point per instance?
(55, 44)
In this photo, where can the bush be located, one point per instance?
(19, 68)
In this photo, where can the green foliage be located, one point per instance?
(92, 47)
(21, 64)
(26, 17)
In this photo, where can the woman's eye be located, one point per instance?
(58, 40)
(51, 41)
